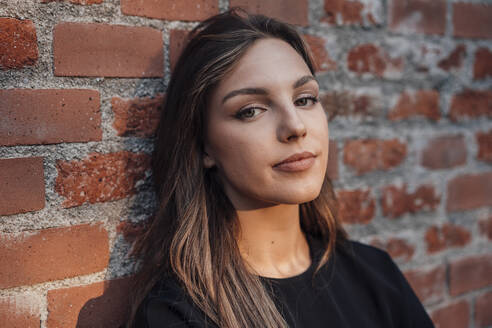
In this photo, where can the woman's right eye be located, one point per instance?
(249, 112)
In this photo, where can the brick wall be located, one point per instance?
(81, 87)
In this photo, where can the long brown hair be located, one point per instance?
(192, 236)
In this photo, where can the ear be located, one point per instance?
(208, 161)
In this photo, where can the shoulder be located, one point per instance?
(167, 305)
(373, 265)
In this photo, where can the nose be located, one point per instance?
(291, 126)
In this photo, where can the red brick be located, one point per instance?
(100, 177)
(356, 206)
(322, 60)
(418, 16)
(130, 230)
(332, 169)
(137, 117)
(484, 141)
(102, 304)
(472, 20)
(485, 226)
(446, 236)
(396, 247)
(351, 12)
(369, 58)
(429, 285)
(472, 104)
(469, 191)
(397, 201)
(32, 257)
(77, 2)
(420, 103)
(185, 10)
(455, 58)
(456, 315)
(444, 152)
(49, 116)
(81, 49)
(21, 185)
(469, 274)
(372, 154)
(483, 64)
(291, 11)
(19, 312)
(18, 43)
(345, 103)
(483, 315)
(177, 42)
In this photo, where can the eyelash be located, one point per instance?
(241, 112)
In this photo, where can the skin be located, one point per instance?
(247, 134)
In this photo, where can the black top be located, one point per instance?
(360, 286)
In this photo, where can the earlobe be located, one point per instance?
(208, 161)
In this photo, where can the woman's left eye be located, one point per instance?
(304, 101)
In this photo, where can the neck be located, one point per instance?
(271, 241)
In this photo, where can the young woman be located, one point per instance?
(246, 233)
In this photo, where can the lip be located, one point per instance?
(297, 162)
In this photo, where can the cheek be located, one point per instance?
(238, 153)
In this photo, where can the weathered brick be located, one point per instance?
(352, 12)
(49, 116)
(100, 177)
(177, 42)
(19, 312)
(291, 11)
(456, 315)
(371, 59)
(483, 315)
(347, 103)
(18, 43)
(131, 230)
(102, 304)
(396, 201)
(454, 60)
(469, 191)
(419, 103)
(470, 273)
(483, 64)
(137, 117)
(428, 284)
(32, 257)
(484, 141)
(448, 235)
(21, 185)
(322, 59)
(444, 152)
(82, 49)
(185, 10)
(356, 206)
(332, 169)
(485, 226)
(397, 248)
(472, 104)
(472, 20)
(77, 2)
(418, 16)
(373, 154)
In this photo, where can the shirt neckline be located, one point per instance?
(302, 275)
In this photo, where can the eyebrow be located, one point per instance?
(261, 91)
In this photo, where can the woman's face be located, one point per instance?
(260, 115)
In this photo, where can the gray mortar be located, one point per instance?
(414, 132)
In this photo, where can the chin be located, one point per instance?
(298, 196)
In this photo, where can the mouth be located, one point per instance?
(297, 162)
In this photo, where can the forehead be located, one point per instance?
(268, 62)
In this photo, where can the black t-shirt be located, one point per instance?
(360, 286)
